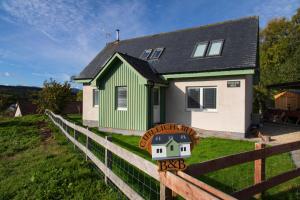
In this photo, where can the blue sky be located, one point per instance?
(42, 39)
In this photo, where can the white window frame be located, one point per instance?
(116, 98)
(93, 100)
(161, 49)
(146, 50)
(201, 109)
(209, 47)
(206, 43)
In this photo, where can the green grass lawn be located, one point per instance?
(230, 179)
(37, 162)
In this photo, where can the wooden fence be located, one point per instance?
(160, 185)
(108, 159)
(258, 156)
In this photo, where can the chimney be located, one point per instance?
(117, 35)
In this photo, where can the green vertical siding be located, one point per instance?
(136, 116)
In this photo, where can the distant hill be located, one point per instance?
(11, 94)
(19, 89)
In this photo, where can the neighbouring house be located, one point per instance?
(29, 108)
(25, 108)
(170, 146)
(287, 100)
(201, 77)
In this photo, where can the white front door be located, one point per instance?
(156, 105)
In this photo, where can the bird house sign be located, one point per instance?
(169, 144)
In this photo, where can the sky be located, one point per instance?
(43, 39)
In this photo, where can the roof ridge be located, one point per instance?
(187, 29)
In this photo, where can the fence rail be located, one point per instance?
(134, 176)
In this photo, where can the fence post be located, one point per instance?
(165, 192)
(74, 134)
(86, 145)
(108, 158)
(259, 168)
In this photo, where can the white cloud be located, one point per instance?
(5, 74)
(269, 9)
(79, 26)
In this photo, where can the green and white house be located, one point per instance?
(170, 146)
(201, 77)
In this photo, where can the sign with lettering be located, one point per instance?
(233, 84)
(169, 144)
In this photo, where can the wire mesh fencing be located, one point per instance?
(143, 184)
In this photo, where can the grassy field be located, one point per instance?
(37, 162)
(230, 179)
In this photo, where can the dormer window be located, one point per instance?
(215, 48)
(200, 49)
(157, 53)
(146, 53)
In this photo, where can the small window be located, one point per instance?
(193, 97)
(215, 48)
(209, 98)
(145, 55)
(157, 53)
(184, 148)
(157, 150)
(95, 97)
(171, 148)
(121, 98)
(200, 49)
(160, 150)
(181, 148)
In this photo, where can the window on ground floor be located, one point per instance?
(95, 97)
(121, 98)
(204, 98)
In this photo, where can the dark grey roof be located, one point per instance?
(239, 49)
(143, 68)
(164, 138)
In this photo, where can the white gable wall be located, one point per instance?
(231, 114)
(18, 112)
(90, 114)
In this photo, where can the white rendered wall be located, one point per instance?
(89, 112)
(231, 114)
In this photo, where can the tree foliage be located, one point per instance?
(79, 96)
(279, 50)
(54, 96)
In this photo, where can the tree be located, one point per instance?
(79, 95)
(280, 47)
(54, 96)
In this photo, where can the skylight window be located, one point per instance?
(200, 49)
(157, 53)
(215, 48)
(145, 55)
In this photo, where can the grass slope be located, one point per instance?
(37, 162)
(230, 179)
